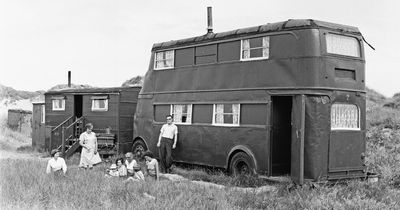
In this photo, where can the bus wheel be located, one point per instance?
(139, 146)
(240, 164)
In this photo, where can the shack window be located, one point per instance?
(345, 117)
(182, 113)
(342, 45)
(226, 114)
(255, 48)
(99, 103)
(58, 104)
(42, 114)
(164, 60)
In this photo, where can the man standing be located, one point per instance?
(166, 142)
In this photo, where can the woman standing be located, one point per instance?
(89, 154)
(56, 164)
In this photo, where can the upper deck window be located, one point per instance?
(58, 103)
(164, 60)
(255, 48)
(345, 117)
(342, 45)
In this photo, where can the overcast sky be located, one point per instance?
(105, 42)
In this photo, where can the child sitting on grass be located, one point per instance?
(112, 171)
(121, 167)
(152, 165)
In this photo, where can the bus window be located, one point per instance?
(345, 117)
(182, 113)
(342, 45)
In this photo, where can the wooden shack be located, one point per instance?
(20, 120)
(110, 110)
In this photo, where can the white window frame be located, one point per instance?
(327, 43)
(161, 68)
(256, 58)
(98, 109)
(189, 113)
(225, 124)
(43, 114)
(346, 128)
(62, 108)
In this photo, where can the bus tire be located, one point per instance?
(139, 145)
(240, 164)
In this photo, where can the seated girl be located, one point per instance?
(56, 164)
(152, 165)
(121, 167)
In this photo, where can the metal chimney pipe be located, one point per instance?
(69, 78)
(209, 20)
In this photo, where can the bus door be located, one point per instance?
(297, 144)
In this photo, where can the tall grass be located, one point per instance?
(23, 185)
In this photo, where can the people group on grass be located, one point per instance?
(130, 168)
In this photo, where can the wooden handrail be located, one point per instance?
(61, 124)
(65, 131)
(76, 121)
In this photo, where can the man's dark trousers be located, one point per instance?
(165, 154)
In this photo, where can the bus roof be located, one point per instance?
(291, 24)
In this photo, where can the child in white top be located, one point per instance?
(56, 164)
(113, 170)
(133, 168)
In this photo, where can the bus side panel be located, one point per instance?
(346, 147)
(316, 139)
(210, 145)
(143, 124)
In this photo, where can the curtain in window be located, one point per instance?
(177, 112)
(189, 114)
(342, 45)
(266, 47)
(344, 116)
(219, 113)
(169, 56)
(235, 109)
(246, 48)
(96, 104)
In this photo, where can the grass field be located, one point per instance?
(24, 185)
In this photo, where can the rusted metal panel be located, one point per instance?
(298, 130)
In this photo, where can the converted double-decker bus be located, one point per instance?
(284, 98)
